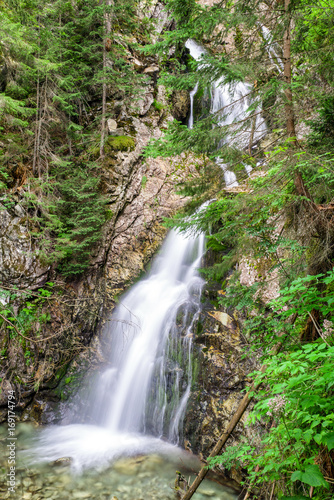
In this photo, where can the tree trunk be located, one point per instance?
(289, 113)
(35, 162)
(107, 30)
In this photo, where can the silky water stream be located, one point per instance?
(231, 103)
(125, 445)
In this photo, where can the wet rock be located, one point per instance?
(151, 69)
(223, 373)
(140, 194)
(27, 495)
(27, 482)
(62, 461)
(206, 493)
(180, 104)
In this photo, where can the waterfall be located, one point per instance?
(191, 116)
(144, 388)
(272, 49)
(196, 51)
(230, 102)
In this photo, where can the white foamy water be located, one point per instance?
(142, 390)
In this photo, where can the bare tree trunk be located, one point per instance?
(107, 30)
(35, 162)
(289, 113)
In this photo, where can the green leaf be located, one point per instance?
(312, 476)
(296, 497)
(328, 440)
(296, 476)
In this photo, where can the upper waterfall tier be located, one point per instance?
(231, 103)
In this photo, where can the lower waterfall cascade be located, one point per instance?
(142, 392)
(132, 418)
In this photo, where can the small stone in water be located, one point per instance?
(48, 494)
(27, 482)
(81, 494)
(207, 493)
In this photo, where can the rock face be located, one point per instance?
(19, 263)
(222, 375)
(140, 194)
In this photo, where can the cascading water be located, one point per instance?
(191, 116)
(272, 49)
(145, 387)
(196, 51)
(231, 104)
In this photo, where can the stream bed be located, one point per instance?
(143, 477)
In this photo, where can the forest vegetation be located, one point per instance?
(60, 61)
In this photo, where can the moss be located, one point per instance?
(199, 328)
(143, 181)
(159, 106)
(119, 143)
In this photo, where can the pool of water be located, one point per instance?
(139, 477)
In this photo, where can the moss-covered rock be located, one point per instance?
(119, 143)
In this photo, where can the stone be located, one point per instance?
(206, 493)
(145, 103)
(80, 494)
(19, 210)
(138, 65)
(180, 104)
(18, 255)
(48, 493)
(62, 461)
(223, 318)
(117, 132)
(131, 237)
(151, 69)
(112, 125)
